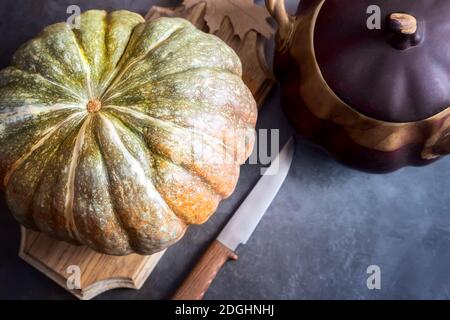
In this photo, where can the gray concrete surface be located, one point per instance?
(326, 226)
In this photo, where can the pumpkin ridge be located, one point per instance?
(17, 139)
(117, 79)
(229, 114)
(179, 212)
(70, 125)
(131, 240)
(43, 56)
(130, 128)
(246, 116)
(90, 39)
(168, 75)
(68, 210)
(67, 89)
(134, 112)
(155, 153)
(225, 148)
(39, 109)
(106, 27)
(130, 227)
(152, 164)
(156, 171)
(85, 63)
(93, 210)
(219, 143)
(52, 130)
(194, 172)
(35, 210)
(117, 122)
(118, 22)
(107, 23)
(113, 203)
(176, 56)
(18, 88)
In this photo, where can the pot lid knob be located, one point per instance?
(404, 31)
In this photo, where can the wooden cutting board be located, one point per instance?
(244, 27)
(61, 262)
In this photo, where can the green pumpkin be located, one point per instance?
(101, 127)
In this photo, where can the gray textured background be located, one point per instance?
(327, 225)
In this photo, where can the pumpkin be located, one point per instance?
(120, 134)
(376, 96)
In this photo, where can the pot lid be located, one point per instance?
(397, 73)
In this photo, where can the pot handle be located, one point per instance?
(285, 21)
(440, 148)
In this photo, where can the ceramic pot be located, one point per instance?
(369, 80)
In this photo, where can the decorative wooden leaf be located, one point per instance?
(244, 15)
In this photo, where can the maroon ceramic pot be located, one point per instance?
(369, 80)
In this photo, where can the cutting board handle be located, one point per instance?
(201, 277)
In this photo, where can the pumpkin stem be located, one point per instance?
(404, 30)
(93, 106)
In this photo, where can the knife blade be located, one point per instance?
(239, 229)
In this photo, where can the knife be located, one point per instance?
(238, 230)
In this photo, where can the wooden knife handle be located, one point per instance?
(198, 281)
